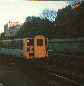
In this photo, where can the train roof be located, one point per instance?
(19, 36)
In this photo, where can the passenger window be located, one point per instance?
(30, 42)
(18, 44)
(39, 42)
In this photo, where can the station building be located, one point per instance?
(11, 28)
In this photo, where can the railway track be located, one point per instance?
(56, 77)
(44, 70)
(71, 62)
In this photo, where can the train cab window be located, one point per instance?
(30, 42)
(39, 42)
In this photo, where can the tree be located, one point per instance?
(29, 18)
(49, 14)
(37, 26)
(73, 2)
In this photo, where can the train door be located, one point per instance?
(39, 46)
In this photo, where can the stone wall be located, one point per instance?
(69, 45)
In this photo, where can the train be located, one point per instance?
(29, 47)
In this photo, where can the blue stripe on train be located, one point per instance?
(4, 49)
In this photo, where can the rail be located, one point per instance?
(43, 69)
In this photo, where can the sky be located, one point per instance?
(19, 10)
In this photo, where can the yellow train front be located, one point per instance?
(36, 47)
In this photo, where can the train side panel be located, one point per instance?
(18, 47)
(9, 47)
(6, 47)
